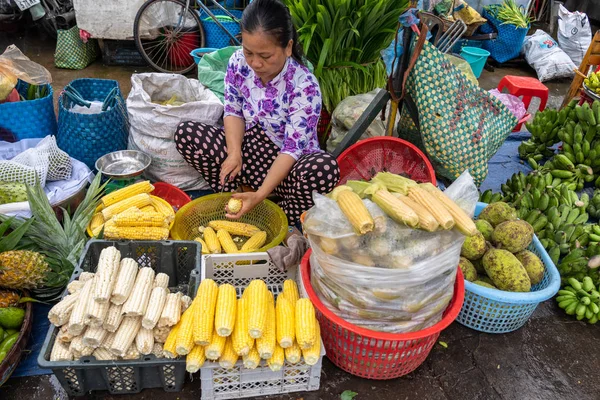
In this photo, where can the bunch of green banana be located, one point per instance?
(544, 130)
(580, 144)
(580, 263)
(573, 176)
(580, 299)
(490, 197)
(594, 207)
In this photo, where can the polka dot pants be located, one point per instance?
(204, 147)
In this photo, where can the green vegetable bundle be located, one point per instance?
(510, 13)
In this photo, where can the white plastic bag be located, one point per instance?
(544, 55)
(574, 33)
(153, 125)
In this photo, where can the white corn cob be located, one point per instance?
(157, 350)
(64, 335)
(186, 301)
(171, 311)
(61, 352)
(161, 334)
(125, 280)
(136, 304)
(108, 340)
(132, 353)
(61, 312)
(125, 335)
(77, 318)
(86, 276)
(113, 319)
(75, 286)
(79, 349)
(161, 280)
(96, 313)
(106, 274)
(144, 341)
(91, 303)
(102, 354)
(155, 307)
(94, 336)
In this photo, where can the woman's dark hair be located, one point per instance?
(272, 17)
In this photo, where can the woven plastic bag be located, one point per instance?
(395, 279)
(507, 44)
(72, 52)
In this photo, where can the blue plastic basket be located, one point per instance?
(496, 311)
(509, 41)
(29, 119)
(215, 36)
(198, 53)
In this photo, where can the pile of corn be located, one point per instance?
(230, 237)
(220, 327)
(120, 312)
(132, 213)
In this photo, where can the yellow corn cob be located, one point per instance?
(144, 341)
(74, 286)
(64, 335)
(126, 192)
(138, 200)
(463, 222)
(125, 335)
(329, 246)
(227, 242)
(312, 354)
(290, 292)
(125, 281)
(106, 274)
(255, 242)
(286, 330)
(229, 357)
(97, 222)
(77, 318)
(426, 220)
(155, 307)
(277, 360)
(171, 312)
(241, 340)
(114, 232)
(96, 313)
(161, 280)
(61, 352)
(185, 336)
(93, 337)
(257, 308)
(354, 209)
(225, 310)
(306, 324)
(216, 346)
(103, 354)
(433, 205)
(148, 209)
(205, 319)
(195, 359)
(203, 245)
(252, 359)
(266, 343)
(137, 302)
(60, 313)
(234, 206)
(164, 208)
(169, 348)
(235, 228)
(395, 208)
(212, 242)
(293, 354)
(134, 217)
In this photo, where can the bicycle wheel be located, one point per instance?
(165, 33)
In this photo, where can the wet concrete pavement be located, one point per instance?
(553, 357)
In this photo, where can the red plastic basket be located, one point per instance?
(377, 355)
(365, 159)
(176, 197)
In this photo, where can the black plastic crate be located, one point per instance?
(121, 52)
(181, 261)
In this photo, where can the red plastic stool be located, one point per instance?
(525, 87)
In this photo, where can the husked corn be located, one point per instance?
(266, 343)
(354, 209)
(195, 359)
(312, 354)
(241, 340)
(77, 318)
(433, 205)
(144, 341)
(171, 312)
(96, 313)
(463, 222)
(185, 336)
(102, 354)
(79, 349)
(205, 317)
(212, 242)
(137, 302)
(94, 337)
(257, 308)
(234, 228)
(134, 217)
(252, 359)
(125, 281)
(106, 274)
(114, 316)
(275, 363)
(161, 334)
(169, 348)
(125, 335)
(286, 330)
(161, 280)
(112, 231)
(214, 350)
(225, 312)
(255, 242)
(186, 301)
(86, 276)
(125, 193)
(229, 357)
(60, 313)
(306, 324)
(132, 353)
(155, 307)
(293, 354)
(227, 242)
(290, 292)
(108, 340)
(75, 286)
(139, 200)
(64, 335)
(158, 350)
(203, 245)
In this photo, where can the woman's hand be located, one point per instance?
(231, 166)
(249, 201)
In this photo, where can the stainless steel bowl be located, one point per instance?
(123, 164)
(590, 93)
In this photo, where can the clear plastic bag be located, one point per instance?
(394, 279)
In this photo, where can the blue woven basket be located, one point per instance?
(215, 36)
(29, 119)
(496, 311)
(87, 137)
(509, 41)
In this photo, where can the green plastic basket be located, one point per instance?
(267, 216)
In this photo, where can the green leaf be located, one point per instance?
(443, 344)
(348, 395)
(10, 242)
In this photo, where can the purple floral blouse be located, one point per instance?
(287, 108)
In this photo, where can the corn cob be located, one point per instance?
(112, 231)
(60, 313)
(164, 208)
(225, 310)
(275, 363)
(216, 346)
(204, 247)
(255, 242)
(195, 359)
(266, 343)
(257, 308)
(169, 348)
(102, 354)
(234, 228)
(186, 301)
(290, 292)
(433, 205)
(97, 223)
(395, 208)
(463, 222)
(125, 193)
(148, 209)
(61, 352)
(185, 336)
(137, 302)
(134, 217)
(144, 341)
(286, 330)
(138, 200)
(96, 313)
(132, 353)
(157, 350)
(91, 303)
(293, 354)
(79, 349)
(171, 312)
(329, 246)
(313, 354)
(306, 324)
(354, 209)
(394, 183)
(229, 357)
(77, 318)
(161, 334)
(74, 286)
(212, 242)
(241, 340)
(252, 359)
(108, 340)
(155, 307)
(114, 316)
(161, 280)
(234, 206)
(106, 274)
(86, 276)
(125, 335)
(94, 337)
(125, 281)
(64, 335)
(426, 220)
(205, 319)
(227, 242)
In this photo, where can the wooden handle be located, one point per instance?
(579, 73)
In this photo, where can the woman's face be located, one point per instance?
(264, 55)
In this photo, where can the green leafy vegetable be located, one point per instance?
(510, 13)
(348, 395)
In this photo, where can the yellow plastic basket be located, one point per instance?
(266, 216)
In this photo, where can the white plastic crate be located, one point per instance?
(220, 383)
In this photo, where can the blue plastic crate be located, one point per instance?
(496, 311)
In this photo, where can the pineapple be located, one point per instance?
(8, 298)
(22, 269)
